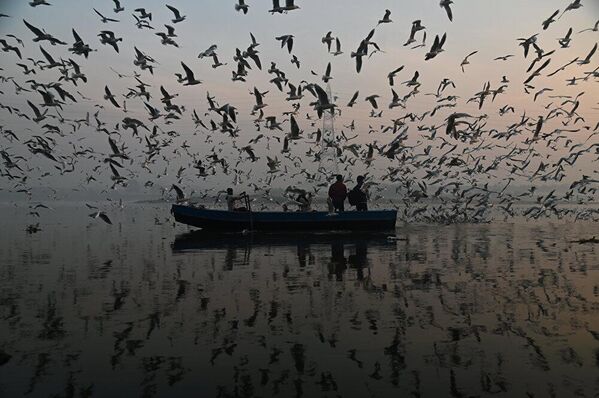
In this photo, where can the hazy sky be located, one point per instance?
(487, 26)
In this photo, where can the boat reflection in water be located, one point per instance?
(347, 250)
(143, 309)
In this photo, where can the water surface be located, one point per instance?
(142, 308)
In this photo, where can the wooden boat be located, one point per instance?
(378, 220)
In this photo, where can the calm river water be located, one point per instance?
(142, 308)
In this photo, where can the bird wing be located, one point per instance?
(538, 127)
(588, 58)
(443, 38)
(151, 109)
(449, 12)
(294, 127)
(435, 43)
(174, 10)
(104, 218)
(35, 110)
(77, 38)
(569, 33)
(98, 12)
(47, 56)
(353, 98)
(542, 67)
(323, 98)
(372, 100)
(113, 101)
(370, 34)
(188, 72)
(113, 146)
(32, 28)
(164, 92)
(550, 19)
(256, 59)
(179, 191)
(75, 66)
(397, 70)
(114, 171)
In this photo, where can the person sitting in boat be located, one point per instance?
(358, 196)
(304, 201)
(232, 200)
(337, 194)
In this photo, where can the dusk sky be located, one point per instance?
(489, 27)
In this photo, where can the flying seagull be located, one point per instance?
(117, 6)
(386, 18)
(466, 61)
(36, 3)
(447, 5)
(286, 40)
(241, 6)
(190, 80)
(572, 6)
(104, 19)
(437, 47)
(353, 99)
(587, 60)
(178, 18)
(550, 20)
(102, 216)
(109, 96)
(392, 74)
(42, 35)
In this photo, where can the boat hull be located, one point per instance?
(285, 221)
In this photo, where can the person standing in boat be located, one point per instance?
(233, 199)
(337, 194)
(357, 196)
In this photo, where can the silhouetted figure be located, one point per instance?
(338, 193)
(357, 197)
(302, 254)
(359, 260)
(304, 201)
(232, 200)
(338, 261)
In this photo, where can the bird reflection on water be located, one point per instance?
(142, 309)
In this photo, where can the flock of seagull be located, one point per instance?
(459, 170)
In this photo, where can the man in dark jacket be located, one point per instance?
(338, 193)
(358, 197)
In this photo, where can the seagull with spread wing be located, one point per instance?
(190, 79)
(105, 19)
(41, 35)
(178, 17)
(446, 4)
(587, 60)
(466, 60)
